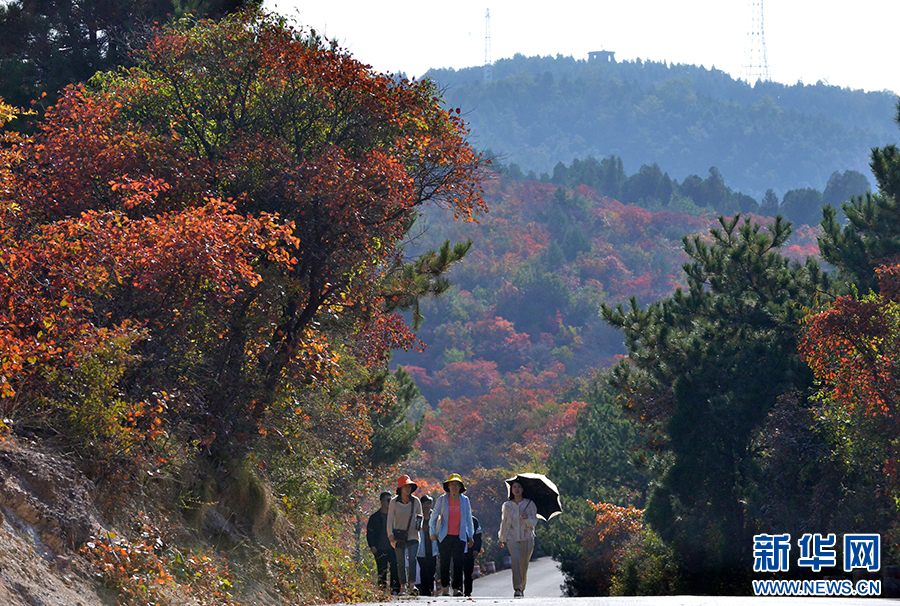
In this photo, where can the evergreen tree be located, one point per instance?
(706, 365)
(802, 206)
(844, 186)
(746, 204)
(592, 465)
(768, 206)
(710, 192)
(393, 434)
(649, 187)
(594, 462)
(606, 176)
(408, 282)
(871, 235)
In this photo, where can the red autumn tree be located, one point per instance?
(854, 348)
(606, 540)
(235, 208)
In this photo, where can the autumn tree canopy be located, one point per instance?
(45, 46)
(229, 216)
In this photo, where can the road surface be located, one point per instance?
(544, 581)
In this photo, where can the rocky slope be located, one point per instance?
(46, 510)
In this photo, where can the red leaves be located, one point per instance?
(853, 348)
(383, 334)
(113, 219)
(517, 415)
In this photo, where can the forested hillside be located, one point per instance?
(247, 282)
(529, 292)
(539, 111)
(657, 432)
(514, 344)
(520, 325)
(197, 306)
(548, 254)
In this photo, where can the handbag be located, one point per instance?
(402, 536)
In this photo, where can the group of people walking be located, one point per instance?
(411, 538)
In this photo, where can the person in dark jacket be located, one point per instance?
(377, 539)
(469, 558)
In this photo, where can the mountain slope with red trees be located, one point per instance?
(513, 343)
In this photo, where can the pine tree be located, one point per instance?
(871, 236)
(705, 367)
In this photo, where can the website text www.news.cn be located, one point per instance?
(824, 588)
(771, 553)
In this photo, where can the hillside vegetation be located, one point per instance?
(203, 264)
(247, 282)
(540, 111)
(516, 343)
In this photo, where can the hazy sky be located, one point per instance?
(849, 44)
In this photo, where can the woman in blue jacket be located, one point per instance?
(452, 526)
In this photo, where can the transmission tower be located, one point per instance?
(488, 72)
(755, 67)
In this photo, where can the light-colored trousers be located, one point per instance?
(519, 554)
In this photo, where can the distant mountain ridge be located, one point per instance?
(539, 111)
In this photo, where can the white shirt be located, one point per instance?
(513, 527)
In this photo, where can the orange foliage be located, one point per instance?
(606, 540)
(853, 348)
(561, 424)
(148, 570)
(612, 525)
(889, 280)
(518, 416)
(219, 241)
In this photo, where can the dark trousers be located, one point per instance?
(427, 565)
(468, 565)
(383, 561)
(451, 548)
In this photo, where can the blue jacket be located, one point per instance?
(424, 535)
(440, 518)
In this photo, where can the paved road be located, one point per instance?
(544, 581)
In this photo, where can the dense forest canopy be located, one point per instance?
(539, 111)
(667, 459)
(216, 255)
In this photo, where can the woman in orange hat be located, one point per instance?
(404, 520)
(452, 525)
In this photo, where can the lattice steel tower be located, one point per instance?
(756, 66)
(488, 71)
